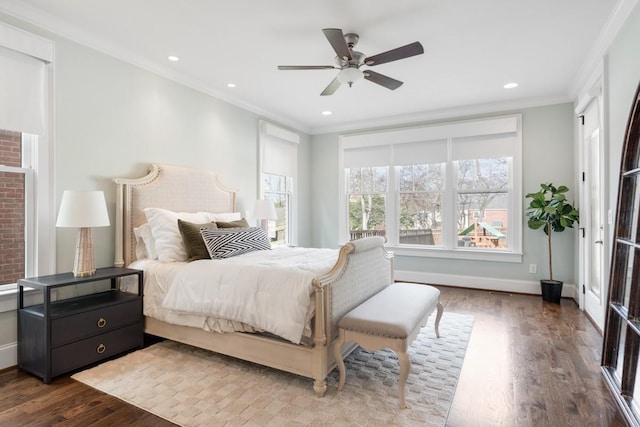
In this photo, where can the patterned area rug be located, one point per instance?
(193, 387)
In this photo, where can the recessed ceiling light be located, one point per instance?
(173, 58)
(511, 85)
(231, 85)
(326, 113)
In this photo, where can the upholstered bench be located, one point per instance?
(392, 319)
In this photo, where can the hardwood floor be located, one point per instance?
(528, 363)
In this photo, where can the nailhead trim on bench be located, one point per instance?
(369, 339)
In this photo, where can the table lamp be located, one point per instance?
(264, 210)
(83, 209)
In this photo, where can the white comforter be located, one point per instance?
(269, 290)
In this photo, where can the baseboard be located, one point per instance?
(8, 355)
(569, 290)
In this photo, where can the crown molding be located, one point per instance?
(441, 114)
(593, 62)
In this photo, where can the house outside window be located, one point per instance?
(12, 208)
(450, 190)
(278, 169)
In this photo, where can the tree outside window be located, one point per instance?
(367, 201)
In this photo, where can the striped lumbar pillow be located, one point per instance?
(228, 242)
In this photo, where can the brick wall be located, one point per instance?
(11, 210)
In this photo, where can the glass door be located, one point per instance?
(621, 346)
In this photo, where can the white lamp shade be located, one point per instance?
(83, 209)
(264, 209)
(350, 75)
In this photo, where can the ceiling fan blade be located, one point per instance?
(306, 67)
(336, 39)
(402, 52)
(382, 80)
(333, 86)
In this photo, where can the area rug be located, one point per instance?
(193, 387)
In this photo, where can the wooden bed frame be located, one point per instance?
(363, 268)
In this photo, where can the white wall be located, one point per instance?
(621, 80)
(113, 119)
(547, 157)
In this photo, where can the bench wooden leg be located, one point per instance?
(438, 316)
(405, 366)
(320, 387)
(337, 354)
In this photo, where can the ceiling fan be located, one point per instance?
(349, 61)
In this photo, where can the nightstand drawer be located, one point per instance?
(75, 355)
(85, 324)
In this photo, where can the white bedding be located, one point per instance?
(263, 290)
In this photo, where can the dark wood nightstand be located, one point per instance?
(57, 337)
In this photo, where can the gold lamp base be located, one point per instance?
(84, 264)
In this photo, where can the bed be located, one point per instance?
(361, 269)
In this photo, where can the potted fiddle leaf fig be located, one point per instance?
(550, 211)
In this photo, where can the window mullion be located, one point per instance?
(392, 206)
(449, 228)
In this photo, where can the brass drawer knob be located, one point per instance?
(102, 322)
(101, 349)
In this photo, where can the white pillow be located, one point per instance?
(145, 244)
(165, 232)
(223, 217)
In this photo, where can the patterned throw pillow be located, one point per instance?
(192, 239)
(228, 242)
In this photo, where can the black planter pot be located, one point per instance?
(551, 290)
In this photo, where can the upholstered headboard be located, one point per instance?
(175, 188)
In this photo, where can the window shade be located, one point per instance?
(280, 157)
(22, 89)
(280, 150)
(420, 153)
(367, 156)
(483, 148)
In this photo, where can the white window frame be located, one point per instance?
(288, 194)
(376, 143)
(40, 243)
(270, 133)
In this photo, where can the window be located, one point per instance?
(449, 190)
(420, 219)
(27, 244)
(278, 189)
(482, 204)
(278, 169)
(367, 201)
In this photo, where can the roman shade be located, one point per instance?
(23, 80)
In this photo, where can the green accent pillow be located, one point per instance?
(239, 223)
(193, 242)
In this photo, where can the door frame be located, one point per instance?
(593, 91)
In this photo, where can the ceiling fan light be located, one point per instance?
(350, 75)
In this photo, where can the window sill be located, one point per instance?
(461, 254)
(9, 295)
(8, 300)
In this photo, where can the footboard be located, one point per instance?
(364, 268)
